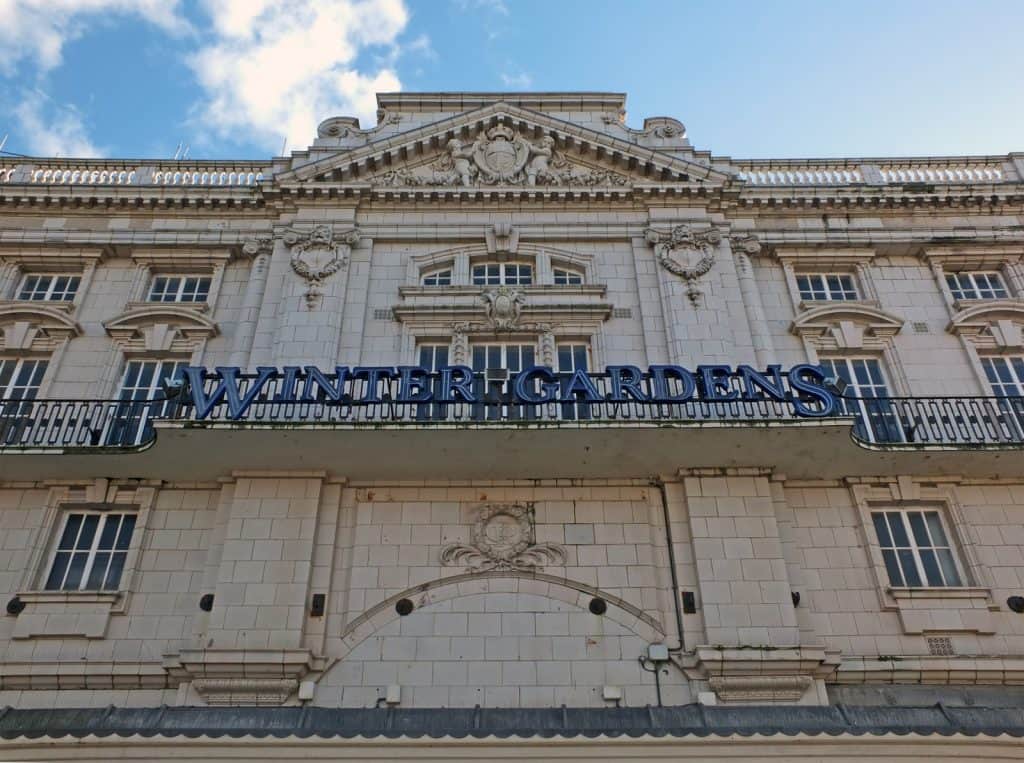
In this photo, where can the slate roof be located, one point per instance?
(687, 720)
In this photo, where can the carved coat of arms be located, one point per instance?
(686, 252)
(503, 306)
(317, 254)
(503, 537)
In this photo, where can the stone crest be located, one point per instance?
(501, 156)
(503, 307)
(686, 252)
(503, 537)
(316, 254)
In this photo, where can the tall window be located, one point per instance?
(976, 285)
(503, 273)
(142, 378)
(20, 379)
(826, 286)
(866, 397)
(140, 387)
(492, 388)
(1005, 374)
(433, 357)
(91, 552)
(915, 548)
(186, 288)
(574, 357)
(49, 288)
(566, 277)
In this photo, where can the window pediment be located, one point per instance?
(161, 327)
(992, 324)
(34, 326)
(847, 325)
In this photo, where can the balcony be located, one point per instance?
(501, 439)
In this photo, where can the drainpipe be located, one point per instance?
(671, 563)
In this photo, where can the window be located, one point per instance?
(826, 286)
(499, 273)
(916, 549)
(867, 397)
(132, 423)
(574, 357)
(142, 378)
(564, 277)
(20, 379)
(91, 552)
(433, 356)
(976, 285)
(49, 288)
(438, 278)
(1005, 374)
(191, 288)
(512, 358)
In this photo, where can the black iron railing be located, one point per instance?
(905, 421)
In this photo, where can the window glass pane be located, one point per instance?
(89, 525)
(60, 566)
(909, 567)
(935, 527)
(71, 528)
(75, 571)
(109, 532)
(918, 528)
(882, 530)
(931, 568)
(949, 571)
(98, 573)
(893, 568)
(899, 533)
(124, 537)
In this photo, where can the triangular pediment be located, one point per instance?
(502, 145)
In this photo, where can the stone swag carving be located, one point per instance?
(317, 254)
(503, 537)
(686, 252)
(501, 156)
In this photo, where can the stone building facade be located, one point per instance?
(702, 567)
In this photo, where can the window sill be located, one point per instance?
(53, 304)
(950, 592)
(806, 305)
(198, 307)
(67, 614)
(469, 289)
(71, 597)
(964, 609)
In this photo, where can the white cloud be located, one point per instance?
(518, 81)
(50, 130)
(276, 68)
(495, 6)
(38, 29)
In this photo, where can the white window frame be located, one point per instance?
(503, 273)
(435, 275)
(1014, 364)
(913, 549)
(179, 293)
(964, 286)
(846, 290)
(50, 290)
(93, 549)
(19, 365)
(569, 276)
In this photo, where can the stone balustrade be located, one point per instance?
(99, 172)
(804, 172)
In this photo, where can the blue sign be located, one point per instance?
(802, 386)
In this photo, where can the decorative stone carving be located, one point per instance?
(500, 156)
(546, 345)
(502, 238)
(504, 306)
(262, 243)
(685, 252)
(243, 676)
(460, 343)
(746, 243)
(316, 254)
(503, 537)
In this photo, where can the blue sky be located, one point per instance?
(242, 78)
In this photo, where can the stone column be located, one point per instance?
(742, 247)
(260, 249)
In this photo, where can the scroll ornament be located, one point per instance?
(503, 537)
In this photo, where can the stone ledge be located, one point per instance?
(998, 671)
(243, 676)
(83, 674)
(749, 675)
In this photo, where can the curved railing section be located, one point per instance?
(898, 423)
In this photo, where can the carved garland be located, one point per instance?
(503, 537)
(316, 255)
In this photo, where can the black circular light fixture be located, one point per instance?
(404, 607)
(598, 606)
(206, 602)
(1015, 603)
(15, 606)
